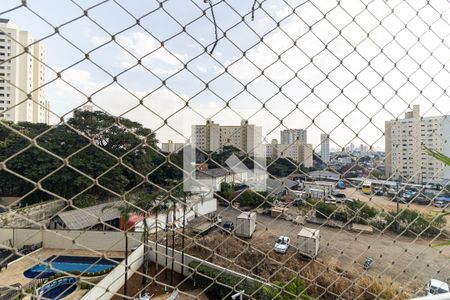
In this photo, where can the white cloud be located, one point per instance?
(280, 61)
(141, 45)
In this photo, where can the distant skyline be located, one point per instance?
(304, 84)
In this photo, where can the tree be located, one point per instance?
(145, 202)
(445, 160)
(85, 200)
(125, 212)
(113, 151)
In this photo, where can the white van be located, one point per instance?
(436, 287)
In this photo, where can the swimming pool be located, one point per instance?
(83, 264)
(59, 288)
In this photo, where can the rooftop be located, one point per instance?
(309, 232)
(216, 172)
(89, 216)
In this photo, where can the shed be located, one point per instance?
(308, 241)
(245, 224)
(94, 217)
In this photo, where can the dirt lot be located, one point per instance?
(135, 286)
(409, 262)
(382, 202)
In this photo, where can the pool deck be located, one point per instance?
(14, 273)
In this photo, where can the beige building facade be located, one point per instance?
(297, 151)
(406, 141)
(212, 137)
(22, 76)
(171, 147)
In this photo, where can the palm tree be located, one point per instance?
(125, 211)
(144, 203)
(445, 160)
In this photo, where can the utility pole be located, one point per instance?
(182, 234)
(397, 223)
(173, 242)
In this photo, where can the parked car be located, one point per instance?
(436, 287)
(421, 199)
(441, 204)
(282, 244)
(378, 192)
(330, 199)
(408, 196)
(349, 200)
(228, 226)
(337, 194)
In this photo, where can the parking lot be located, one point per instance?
(408, 261)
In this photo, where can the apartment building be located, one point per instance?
(22, 75)
(406, 141)
(325, 148)
(289, 136)
(213, 136)
(171, 147)
(297, 151)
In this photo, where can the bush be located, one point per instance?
(219, 284)
(415, 222)
(253, 199)
(85, 286)
(75, 272)
(361, 212)
(330, 211)
(295, 289)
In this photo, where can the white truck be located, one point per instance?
(308, 242)
(245, 224)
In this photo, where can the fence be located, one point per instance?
(194, 109)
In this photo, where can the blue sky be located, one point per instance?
(304, 84)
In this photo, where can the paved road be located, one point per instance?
(410, 262)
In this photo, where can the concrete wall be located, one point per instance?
(97, 240)
(31, 216)
(67, 239)
(106, 288)
(20, 237)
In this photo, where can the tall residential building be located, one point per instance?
(325, 148)
(212, 137)
(297, 151)
(289, 136)
(171, 147)
(406, 142)
(22, 96)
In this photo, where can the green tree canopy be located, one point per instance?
(92, 150)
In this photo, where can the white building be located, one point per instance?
(297, 151)
(171, 147)
(289, 136)
(325, 148)
(22, 95)
(406, 142)
(212, 137)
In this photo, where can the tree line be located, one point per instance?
(92, 153)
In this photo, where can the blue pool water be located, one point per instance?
(58, 288)
(57, 264)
